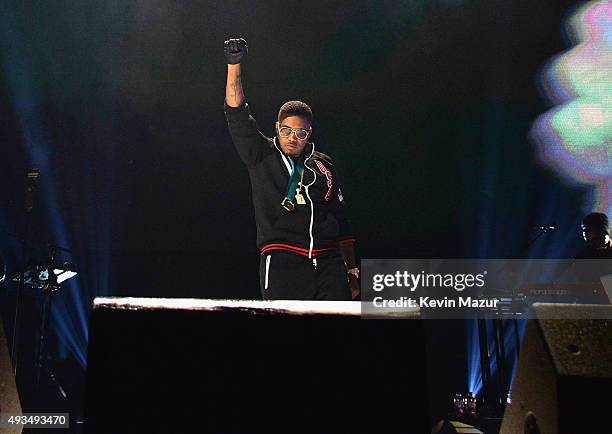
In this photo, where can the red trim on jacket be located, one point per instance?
(298, 250)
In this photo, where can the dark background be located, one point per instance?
(425, 106)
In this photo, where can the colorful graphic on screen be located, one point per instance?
(574, 138)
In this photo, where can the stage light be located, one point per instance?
(464, 406)
(470, 404)
(37, 275)
(91, 243)
(459, 404)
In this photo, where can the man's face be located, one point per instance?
(595, 237)
(293, 145)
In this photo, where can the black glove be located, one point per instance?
(235, 50)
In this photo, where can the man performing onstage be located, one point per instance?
(594, 262)
(596, 233)
(303, 233)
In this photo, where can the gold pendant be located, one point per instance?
(299, 198)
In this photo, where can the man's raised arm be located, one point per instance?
(235, 50)
(251, 144)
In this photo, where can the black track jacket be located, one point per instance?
(318, 227)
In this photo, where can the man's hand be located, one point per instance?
(235, 50)
(354, 285)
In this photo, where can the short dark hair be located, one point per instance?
(295, 108)
(597, 220)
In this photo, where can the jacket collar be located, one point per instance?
(308, 150)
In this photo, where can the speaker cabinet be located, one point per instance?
(564, 374)
(9, 398)
(239, 367)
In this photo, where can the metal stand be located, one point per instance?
(34, 277)
(50, 286)
(32, 176)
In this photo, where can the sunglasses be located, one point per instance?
(300, 133)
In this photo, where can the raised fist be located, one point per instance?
(235, 50)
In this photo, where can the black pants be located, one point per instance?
(289, 276)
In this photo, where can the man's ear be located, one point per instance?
(309, 133)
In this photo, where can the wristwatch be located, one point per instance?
(353, 271)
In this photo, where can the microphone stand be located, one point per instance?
(32, 177)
